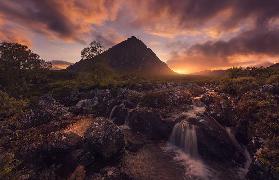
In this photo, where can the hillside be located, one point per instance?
(131, 56)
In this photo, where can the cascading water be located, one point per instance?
(184, 144)
(184, 136)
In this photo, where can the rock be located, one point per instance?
(270, 88)
(105, 139)
(83, 157)
(260, 171)
(134, 141)
(241, 133)
(78, 174)
(57, 147)
(85, 106)
(166, 98)
(214, 142)
(110, 173)
(119, 114)
(220, 107)
(47, 110)
(149, 123)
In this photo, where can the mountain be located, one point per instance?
(59, 64)
(131, 56)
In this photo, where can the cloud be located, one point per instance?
(107, 36)
(258, 41)
(248, 48)
(212, 32)
(69, 20)
(59, 64)
(13, 34)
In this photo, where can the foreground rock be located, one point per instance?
(150, 123)
(105, 139)
(47, 110)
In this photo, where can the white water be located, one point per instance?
(184, 136)
(194, 168)
(112, 111)
(183, 143)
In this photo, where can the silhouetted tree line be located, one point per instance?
(236, 72)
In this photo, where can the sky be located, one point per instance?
(189, 35)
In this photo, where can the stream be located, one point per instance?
(179, 157)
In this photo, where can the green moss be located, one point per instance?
(10, 107)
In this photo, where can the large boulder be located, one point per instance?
(150, 123)
(105, 139)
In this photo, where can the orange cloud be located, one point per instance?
(69, 20)
(13, 35)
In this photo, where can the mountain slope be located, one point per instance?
(131, 56)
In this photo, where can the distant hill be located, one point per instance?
(131, 56)
(274, 66)
(212, 73)
(59, 64)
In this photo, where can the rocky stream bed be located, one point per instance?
(164, 131)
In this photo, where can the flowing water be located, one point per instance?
(182, 147)
(184, 136)
(183, 143)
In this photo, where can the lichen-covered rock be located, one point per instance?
(47, 110)
(105, 138)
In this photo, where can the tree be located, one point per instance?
(19, 68)
(95, 48)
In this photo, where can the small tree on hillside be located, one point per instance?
(95, 48)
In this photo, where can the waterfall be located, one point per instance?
(184, 136)
(112, 111)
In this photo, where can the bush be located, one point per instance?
(239, 85)
(274, 79)
(10, 107)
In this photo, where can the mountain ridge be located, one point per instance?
(131, 56)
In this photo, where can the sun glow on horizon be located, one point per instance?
(181, 71)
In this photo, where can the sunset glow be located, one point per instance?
(216, 34)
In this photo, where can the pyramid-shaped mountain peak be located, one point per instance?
(131, 56)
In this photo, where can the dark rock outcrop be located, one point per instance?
(149, 123)
(214, 141)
